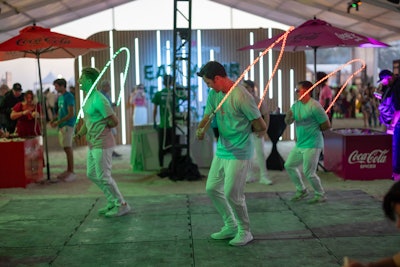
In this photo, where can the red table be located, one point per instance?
(21, 162)
(358, 154)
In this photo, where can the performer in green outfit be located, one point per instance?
(99, 120)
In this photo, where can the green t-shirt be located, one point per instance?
(234, 122)
(308, 118)
(96, 109)
(64, 101)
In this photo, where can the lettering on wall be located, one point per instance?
(152, 73)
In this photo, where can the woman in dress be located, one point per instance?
(28, 114)
(138, 104)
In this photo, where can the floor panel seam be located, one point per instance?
(74, 231)
(190, 229)
(313, 234)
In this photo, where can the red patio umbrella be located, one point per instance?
(316, 33)
(38, 42)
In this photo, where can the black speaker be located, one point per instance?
(394, 1)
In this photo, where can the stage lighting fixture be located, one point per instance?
(353, 4)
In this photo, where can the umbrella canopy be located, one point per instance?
(38, 42)
(316, 33)
(34, 41)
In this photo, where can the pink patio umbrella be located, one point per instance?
(314, 34)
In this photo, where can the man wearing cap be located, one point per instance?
(11, 98)
(392, 94)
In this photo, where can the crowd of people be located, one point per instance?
(357, 101)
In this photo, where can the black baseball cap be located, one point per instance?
(249, 83)
(17, 87)
(383, 74)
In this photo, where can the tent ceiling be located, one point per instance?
(375, 18)
(16, 14)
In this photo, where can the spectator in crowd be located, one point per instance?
(366, 106)
(65, 122)
(3, 120)
(10, 99)
(352, 107)
(325, 94)
(259, 141)
(162, 101)
(138, 106)
(373, 118)
(28, 116)
(392, 94)
(72, 90)
(51, 100)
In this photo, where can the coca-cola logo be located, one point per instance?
(52, 41)
(373, 157)
(349, 36)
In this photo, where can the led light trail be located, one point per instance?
(80, 114)
(283, 38)
(343, 86)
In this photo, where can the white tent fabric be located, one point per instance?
(375, 18)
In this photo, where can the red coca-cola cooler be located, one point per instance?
(358, 154)
(21, 162)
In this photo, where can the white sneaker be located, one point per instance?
(103, 211)
(299, 195)
(251, 180)
(225, 233)
(242, 238)
(70, 177)
(119, 210)
(62, 175)
(266, 181)
(317, 199)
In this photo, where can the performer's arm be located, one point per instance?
(203, 126)
(289, 117)
(258, 126)
(325, 125)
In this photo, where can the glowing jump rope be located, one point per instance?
(343, 86)
(80, 114)
(282, 38)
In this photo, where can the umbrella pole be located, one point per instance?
(43, 119)
(315, 69)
